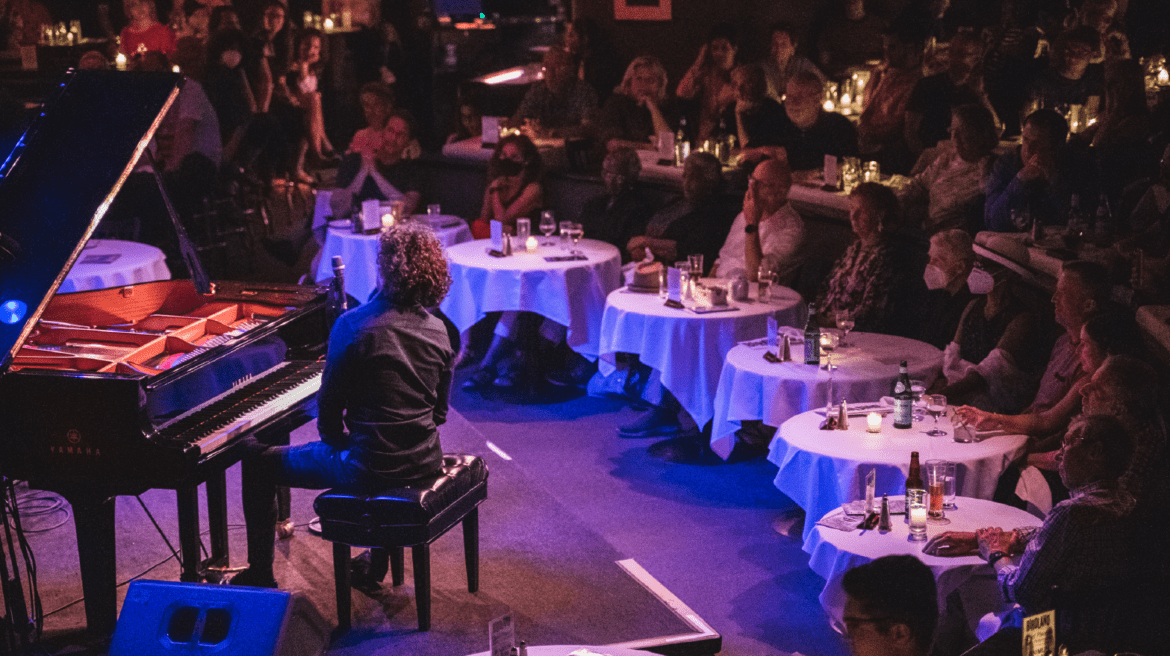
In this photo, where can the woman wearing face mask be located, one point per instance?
(513, 189)
(989, 363)
(951, 262)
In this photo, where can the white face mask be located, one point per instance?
(934, 277)
(980, 281)
(231, 58)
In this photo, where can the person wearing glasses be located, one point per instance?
(767, 232)
(891, 607)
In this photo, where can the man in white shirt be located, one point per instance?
(767, 232)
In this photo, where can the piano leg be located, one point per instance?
(217, 521)
(97, 552)
(189, 546)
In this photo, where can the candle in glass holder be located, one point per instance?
(1163, 77)
(328, 24)
(530, 244)
(916, 509)
(120, 62)
(873, 422)
(387, 219)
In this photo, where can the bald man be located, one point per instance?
(768, 231)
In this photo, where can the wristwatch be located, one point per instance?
(994, 556)
(751, 228)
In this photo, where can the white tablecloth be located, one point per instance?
(832, 553)
(820, 470)
(751, 388)
(565, 650)
(112, 263)
(572, 293)
(360, 253)
(686, 348)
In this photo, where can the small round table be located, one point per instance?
(578, 650)
(686, 348)
(833, 552)
(108, 263)
(569, 292)
(751, 388)
(360, 252)
(821, 469)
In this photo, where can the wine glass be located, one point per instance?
(548, 225)
(845, 323)
(575, 234)
(936, 404)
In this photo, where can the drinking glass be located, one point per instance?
(523, 230)
(917, 387)
(565, 228)
(575, 234)
(936, 404)
(916, 512)
(845, 323)
(765, 279)
(936, 480)
(949, 492)
(434, 209)
(695, 262)
(548, 225)
(1021, 219)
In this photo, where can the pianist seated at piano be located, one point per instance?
(383, 395)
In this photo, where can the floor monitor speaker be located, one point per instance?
(161, 618)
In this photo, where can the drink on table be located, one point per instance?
(936, 481)
(812, 338)
(914, 479)
(903, 399)
(845, 323)
(548, 224)
(936, 405)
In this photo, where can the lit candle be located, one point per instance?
(1163, 77)
(120, 61)
(175, 68)
(846, 99)
(829, 106)
(387, 219)
(916, 512)
(873, 422)
(328, 24)
(531, 244)
(917, 517)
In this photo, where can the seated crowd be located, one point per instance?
(1073, 376)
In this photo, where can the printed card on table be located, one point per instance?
(371, 215)
(674, 284)
(1039, 634)
(831, 170)
(497, 235)
(501, 635)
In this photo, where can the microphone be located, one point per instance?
(338, 300)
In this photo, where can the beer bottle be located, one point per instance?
(903, 398)
(914, 480)
(812, 338)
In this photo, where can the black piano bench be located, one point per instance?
(400, 517)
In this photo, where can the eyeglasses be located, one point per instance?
(848, 624)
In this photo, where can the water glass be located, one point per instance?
(872, 172)
(916, 512)
(684, 278)
(695, 263)
(917, 387)
(949, 489)
(850, 173)
(434, 209)
(523, 230)
(566, 227)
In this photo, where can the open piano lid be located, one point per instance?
(60, 179)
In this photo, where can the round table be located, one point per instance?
(112, 263)
(751, 388)
(578, 650)
(571, 293)
(820, 470)
(833, 552)
(685, 348)
(360, 252)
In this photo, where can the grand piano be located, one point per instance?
(117, 391)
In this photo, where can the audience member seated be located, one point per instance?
(592, 55)
(1090, 559)
(514, 188)
(1040, 177)
(805, 132)
(891, 607)
(755, 118)
(1010, 55)
(782, 61)
(1121, 136)
(386, 175)
(928, 112)
(1102, 16)
(861, 281)
(990, 363)
(383, 395)
(223, 17)
(1069, 79)
(468, 122)
(377, 101)
(145, 33)
(882, 127)
(946, 276)
(561, 105)
(949, 192)
(621, 212)
(697, 223)
(768, 232)
(708, 81)
(845, 35)
(639, 109)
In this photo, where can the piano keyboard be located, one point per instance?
(214, 423)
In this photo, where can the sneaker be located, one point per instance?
(255, 579)
(652, 424)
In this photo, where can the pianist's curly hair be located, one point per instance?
(413, 267)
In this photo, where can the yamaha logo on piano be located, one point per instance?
(73, 436)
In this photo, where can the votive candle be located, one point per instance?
(916, 509)
(873, 422)
(530, 244)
